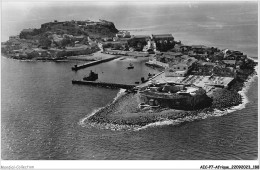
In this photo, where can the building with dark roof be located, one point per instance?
(163, 36)
(164, 42)
(145, 37)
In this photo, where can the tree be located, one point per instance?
(108, 45)
(44, 41)
(65, 42)
(118, 46)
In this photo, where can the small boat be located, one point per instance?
(131, 66)
(91, 77)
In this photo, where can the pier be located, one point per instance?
(113, 85)
(78, 67)
(104, 84)
(150, 79)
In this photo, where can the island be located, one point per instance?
(191, 79)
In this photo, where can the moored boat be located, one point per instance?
(131, 66)
(91, 77)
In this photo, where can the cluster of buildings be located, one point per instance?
(180, 66)
(144, 43)
(199, 60)
(19, 47)
(177, 59)
(32, 48)
(175, 64)
(52, 40)
(191, 73)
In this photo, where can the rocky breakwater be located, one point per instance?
(125, 111)
(224, 98)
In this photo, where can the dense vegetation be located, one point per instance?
(107, 29)
(137, 44)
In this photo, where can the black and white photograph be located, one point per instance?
(120, 84)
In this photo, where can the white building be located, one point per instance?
(123, 34)
(177, 70)
(157, 63)
(181, 68)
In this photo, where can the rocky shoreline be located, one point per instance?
(124, 110)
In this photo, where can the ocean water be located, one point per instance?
(42, 113)
(230, 25)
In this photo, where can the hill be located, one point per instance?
(96, 30)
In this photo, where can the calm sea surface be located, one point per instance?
(41, 110)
